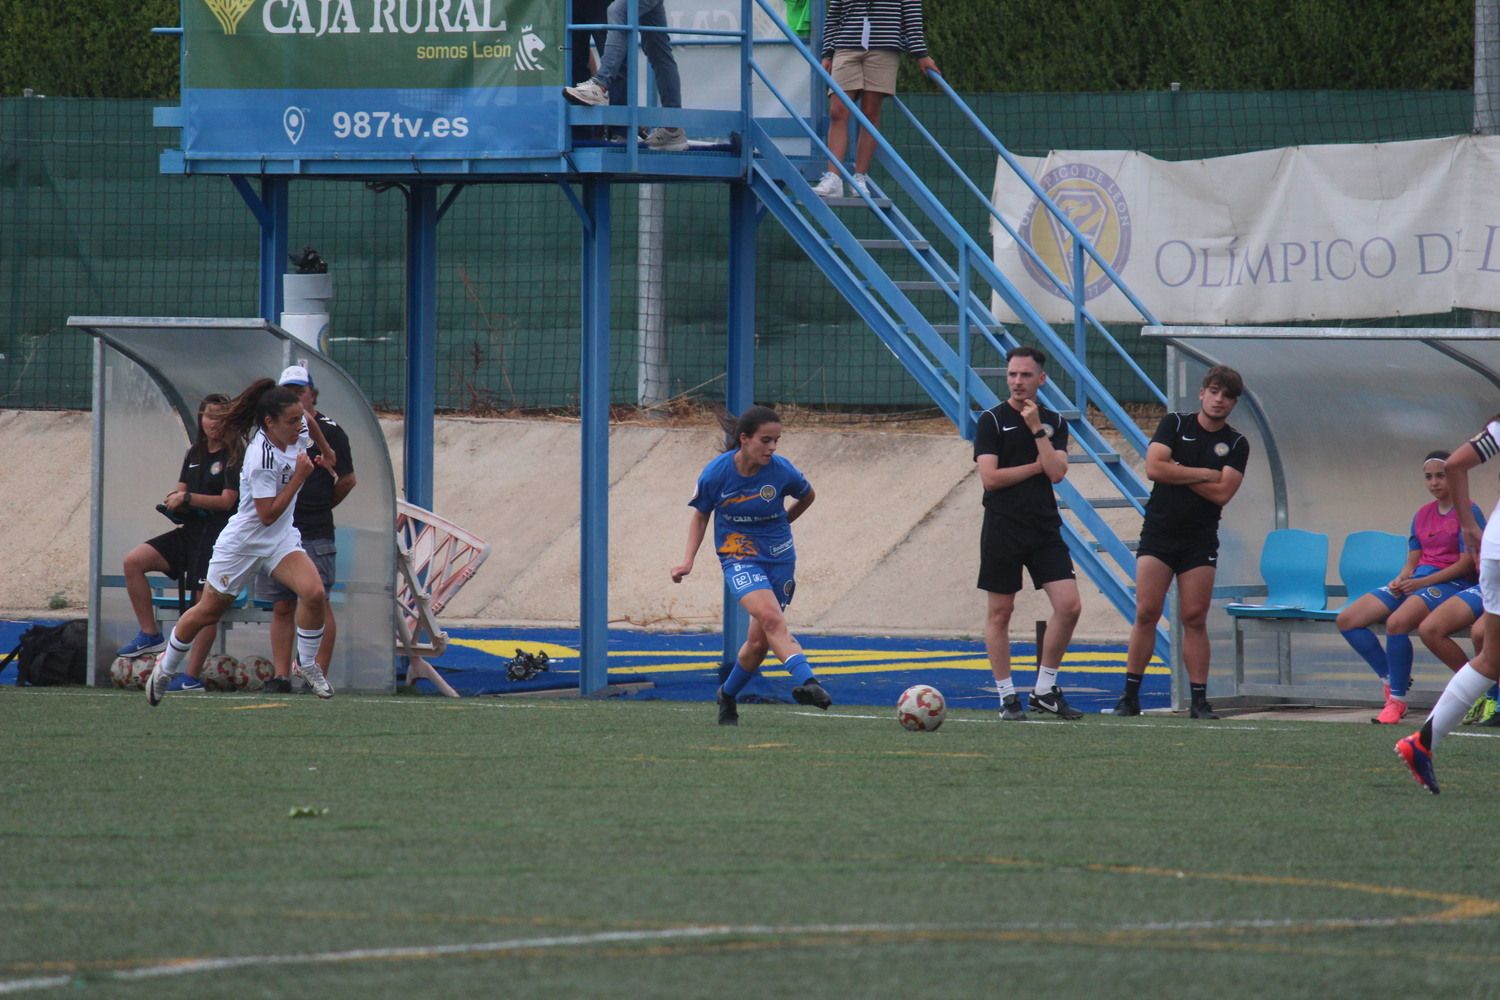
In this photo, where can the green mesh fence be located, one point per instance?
(92, 228)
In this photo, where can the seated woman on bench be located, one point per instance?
(208, 490)
(1437, 567)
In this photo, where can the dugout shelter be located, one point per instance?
(1339, 421)
(149, 376)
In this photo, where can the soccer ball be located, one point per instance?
(218, 672)
(921, 708)
(253, 672)
(130, 672)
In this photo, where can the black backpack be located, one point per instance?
(52, 654)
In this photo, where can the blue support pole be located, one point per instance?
(421, 339)
(593, 536)
(1080, 332)
(739, 385)
(274, 196)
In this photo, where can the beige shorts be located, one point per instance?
(866, 69)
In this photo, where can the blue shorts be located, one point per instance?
(1473, 598)
(1431, 596)
(744, 577)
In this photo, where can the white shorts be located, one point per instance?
(230, 569)
(1489, 585)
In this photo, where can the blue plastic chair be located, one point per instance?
(1294, 565)
(1370, 560)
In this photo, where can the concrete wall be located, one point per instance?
(889, 546)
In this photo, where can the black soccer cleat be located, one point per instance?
(1011, 710)
(1201, 709)
(1054, 703)
(729, 711)
(812, 693)
(1126, 706)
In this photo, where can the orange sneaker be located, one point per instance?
(1394, 712)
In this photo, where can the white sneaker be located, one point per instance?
(156, 684)
(830, 185)
(670, 139)
(313, 674)
(588, 92)
(861, 185)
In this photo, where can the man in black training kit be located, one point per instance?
(1021, 448)
(1197, 462)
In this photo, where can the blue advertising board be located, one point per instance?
(355, 80)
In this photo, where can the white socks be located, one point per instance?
(308, 641)
(171, 657)
(1463, 689)
(1046, 679)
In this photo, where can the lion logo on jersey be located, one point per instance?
(1221, 449)
(738, 546)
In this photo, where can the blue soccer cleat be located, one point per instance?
(1418, 761)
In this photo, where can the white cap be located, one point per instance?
(294, 375)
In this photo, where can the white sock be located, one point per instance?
(1046, 679)
(1007, 688)
(171, 657)
(308, 641)
(1463, 689)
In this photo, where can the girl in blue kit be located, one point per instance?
(745, 489)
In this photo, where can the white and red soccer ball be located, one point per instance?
(253, 672)
(921, 708)
(218, 672)
(130, 672)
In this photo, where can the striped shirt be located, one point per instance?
(894, 24)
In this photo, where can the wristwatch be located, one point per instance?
(1040, 432)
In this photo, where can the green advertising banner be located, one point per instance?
(372, 79)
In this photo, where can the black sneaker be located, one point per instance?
(1126, 706)
(278, 685)
(1054, 702)
(1011, 710)
(729, 712)
(812, 693)
(1202, 710)
(1492, 721)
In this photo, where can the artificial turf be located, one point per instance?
(566, 848)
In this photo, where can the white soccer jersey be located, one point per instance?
(1487, 444)
(267, 470)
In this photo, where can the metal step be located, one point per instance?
(925, 286)
(894, 245)
(855, 202)
(1110, 459)
(1103, 503)
(1130, 543)
(953, 328)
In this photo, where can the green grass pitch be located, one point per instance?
(565, 848)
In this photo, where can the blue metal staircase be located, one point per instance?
(940, 325)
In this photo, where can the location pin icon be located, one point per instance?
(292, 121)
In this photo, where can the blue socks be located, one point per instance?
(799, 668)
(1367, 645)
(796, 665)
(1398, 655)
(736, 681)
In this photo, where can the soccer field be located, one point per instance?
(238, 846)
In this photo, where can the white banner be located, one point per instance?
(1301, 233)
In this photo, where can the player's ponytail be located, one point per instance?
(746, 425)
(241, 415)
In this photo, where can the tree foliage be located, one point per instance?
(104, 48)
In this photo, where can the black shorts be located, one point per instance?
(1180, 553)
(187, 555)
(1004, 550)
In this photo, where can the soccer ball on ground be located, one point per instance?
(218, 672)
(253, 672)
(921, 708)
(130, 672)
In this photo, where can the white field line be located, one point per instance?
(195, 966)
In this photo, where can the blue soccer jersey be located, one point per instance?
(750, 511)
